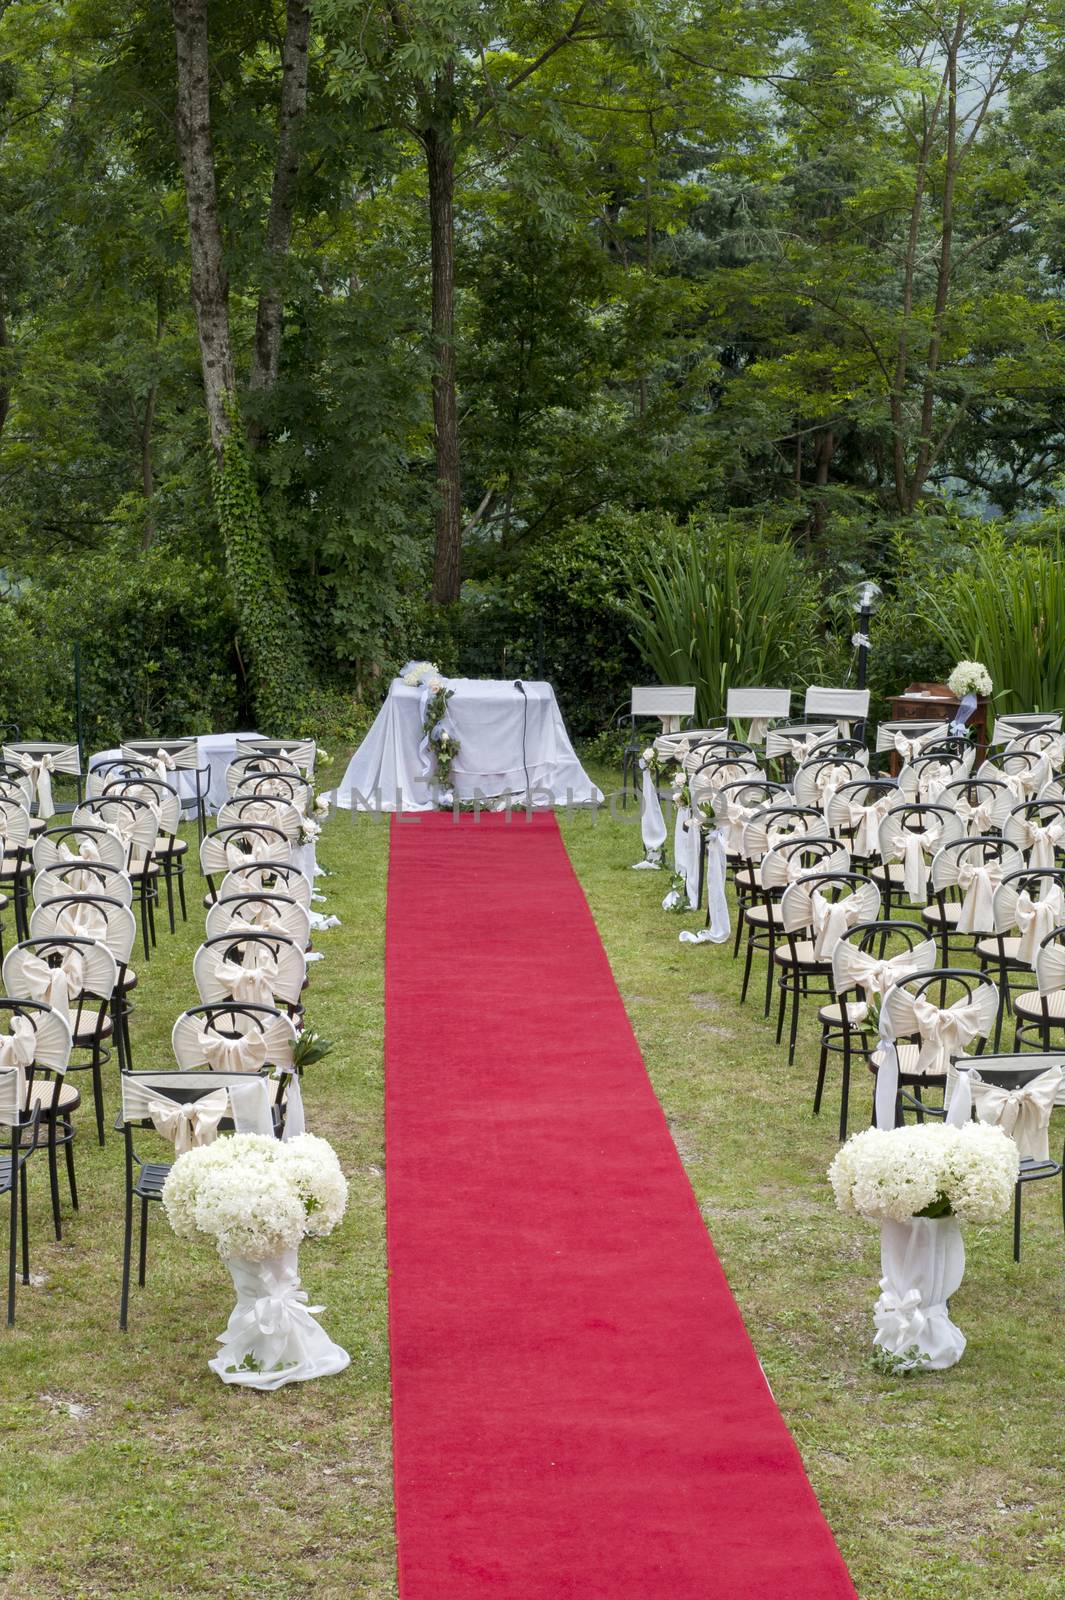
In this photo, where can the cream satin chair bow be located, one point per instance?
(979, 818)
(734, 821)
(854, 968)
(946, 1030)
(54, 985)
(17, 1049)
(150, 798)
(161, 763)
(865, 822)
(1041, 842)
(1035, 918)
(913, 847)
(779, 871)
(978, 880)
(261, 849)
(831, 919)
(254, 984)
(756, 733)
(38, 769)
(1023, 1113)
(244, 1054)
(192, 1125)
(1027, 783)
(82, 922)
(908, 748)
(267, 921)
(828, 779)
(88, 850)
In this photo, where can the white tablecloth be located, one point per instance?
(491, 722)
(216, 752)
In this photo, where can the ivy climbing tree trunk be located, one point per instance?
(447, 555)
(5, 385)
(270, 640)
(266, 354)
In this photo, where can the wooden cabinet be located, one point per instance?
(922, 701)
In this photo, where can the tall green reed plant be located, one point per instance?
(722, 607)
(1007, 610)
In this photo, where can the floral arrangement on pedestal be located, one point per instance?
(415, 673)
(969, 677)
(919, 1182)
(258, 1198)
(443, 745)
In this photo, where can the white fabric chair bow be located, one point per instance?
(39, 769)
(244, 1054)
(88, 850)
(779, 870)
(908, 748)
(828, 779)
(978, 880)
(82, 921)
(1041, 842)
(254, 984)
(829, 920)
(1035, 918)
(865, 822)
(854, 968)
(17, 1049)
(266, 920)
(980, 818)
(192, 1125)
(261, 850)
(945, 1031)
(734, 821)
(1024, 1113)
(913, 846)
(161, 763)
(54, 985)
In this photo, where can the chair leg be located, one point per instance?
(53, 1178)
(25, 1200)
(1017, 1190)
(144, 924)
(781, 1007)
(748, 962)
(142, 1262)
(98, 1095)
(771, 967)
(822, 1068)
(181, 893)
(845, 1084)
(12, 1248)
(127, 1256)
(794, 1020)
(72, 1182)
(168, 872)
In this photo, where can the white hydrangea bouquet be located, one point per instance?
(969, 677)
(258, 1198)
(918, 1183)
(415, 673)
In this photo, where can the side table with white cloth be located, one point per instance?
(507, 740)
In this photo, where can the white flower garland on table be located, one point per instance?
(969, 677)
(927, 1170)
(256, 1196)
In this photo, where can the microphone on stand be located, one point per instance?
(524, 731)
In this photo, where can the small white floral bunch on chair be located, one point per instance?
(256, 1196)
(926, 1170)
(969, 677)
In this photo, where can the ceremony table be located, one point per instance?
(501, 733)
(216, 751)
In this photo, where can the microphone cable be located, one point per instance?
(524, 734)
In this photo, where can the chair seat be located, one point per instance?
(759, 915)
(1029, 1003)
(140, 869)
(42, 1090)
(744, 879)
(992, 947)
(129, 981)
(83, 1027)
(803, 956)
(173, 847)
(13, 868)
(148, 1184)
(940, 914)
(856, 1016)
(892, 873)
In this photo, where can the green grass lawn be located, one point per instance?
(129, 1469)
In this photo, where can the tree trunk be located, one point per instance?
(147, 473)
(5, 382)
(826, 449)
(447, 562)
(210, 283)
(266, 354)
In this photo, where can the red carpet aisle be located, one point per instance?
(578, 1409)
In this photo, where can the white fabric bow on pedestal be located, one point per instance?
(39, 770)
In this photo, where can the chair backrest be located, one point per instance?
(1012, 724)
(232, 1036)
(83, 877)
(65, 757)
(78, 842)
(817, 779)
(87, 916)
(301, 753)
(846, 705)
(274, 786)
(79, 968)
(160, 796)
(14, 825)
(958, 1011)
(857, 962)
(913, 736)
(801, 857)
(17, 787)
(933, 822)
(272, 812)
(798, 740)
(264, 912)
(983, 804)
(150, 1095)
(242, 845)
(10, 1097)
(774, 824)
(103, 773)
(1049, 742)
(1038, 827)
(43, 1033)
(284, 876)
(264, 968)
(133, 820)
(757, 707)
(1034, 897)
(184, 753)
(827, 904)
(670, 700)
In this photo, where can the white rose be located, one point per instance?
(648, 755)
(321, 804)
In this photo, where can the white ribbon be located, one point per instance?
(652, 823)
(1035, 918)
(865, 821)
(979, 819)
(899, 1319)
(854, 968)
(82, 921)
(909, 748)
(757, 731)
(261, 849)
(946, 1030)
(1041, 842)
(831, 919)
(18, 1049)
(188, 1126)
(1023, 1113)
(88, 850)
(38, 771)
(979, 880)
(54, 985)
(912, 846)
(244, 1054)
(253, 984)
(720, 927)
(161, 763)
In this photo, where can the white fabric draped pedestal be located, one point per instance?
(492, 722)
(272, 1337)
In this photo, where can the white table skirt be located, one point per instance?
(216, 751)
(488, 719)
